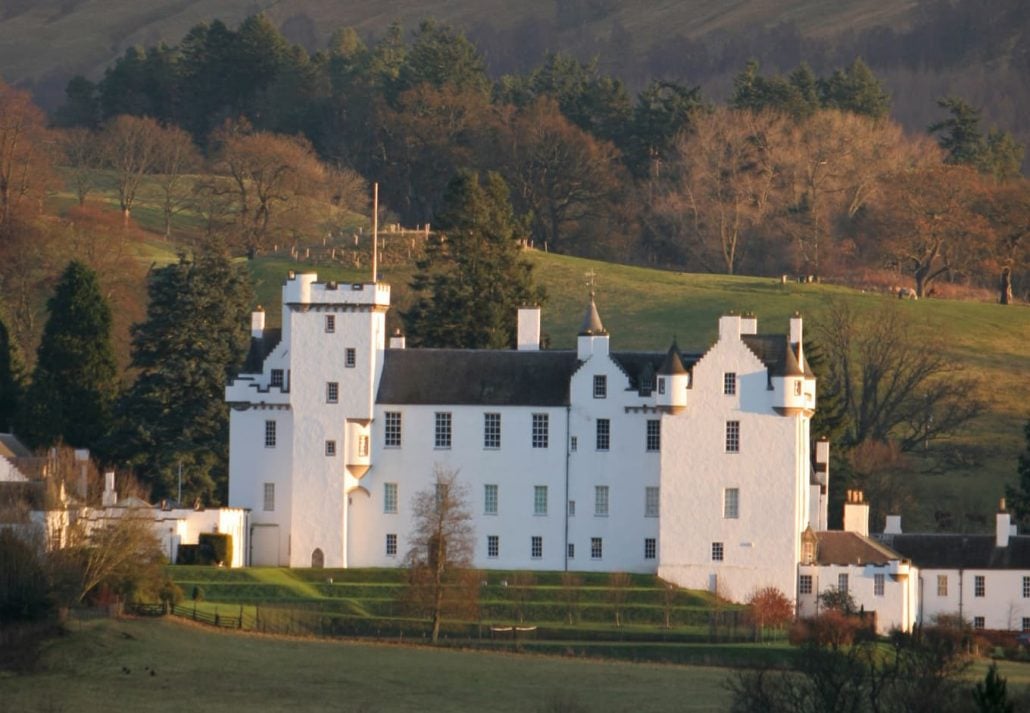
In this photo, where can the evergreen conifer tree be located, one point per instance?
(1018, 498)
(193, 341)
(75, 382)
(472, 279)
(11, 375)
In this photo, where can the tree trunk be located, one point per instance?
(1005, 286)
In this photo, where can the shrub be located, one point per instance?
(215, 548)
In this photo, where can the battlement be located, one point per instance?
(304, 289)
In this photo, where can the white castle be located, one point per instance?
(699, 468)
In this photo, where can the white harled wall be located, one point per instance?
(761, 547)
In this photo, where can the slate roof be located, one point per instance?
(484, 377)
(771, 349)
(11, 447)
(958, 551)
(837, 547)
(260, 348)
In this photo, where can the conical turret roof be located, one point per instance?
(673, 364)
(792, 367)
(592, 326)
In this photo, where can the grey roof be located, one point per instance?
(958, 551)
(260, 348)
(673, 362)
(839, 547)
(11, 447)
(772, 350)
(592, 320)
(476, 377)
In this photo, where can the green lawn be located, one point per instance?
(202, 669)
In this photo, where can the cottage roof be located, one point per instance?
(11, 447)
(841, 548)
(958, 551)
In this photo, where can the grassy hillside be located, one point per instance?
(645, 309)
(57, 37)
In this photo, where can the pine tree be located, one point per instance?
(990, 695)
(75, 381)
(472, 279)
(11, 375)
(193, 341)
(1018, 497)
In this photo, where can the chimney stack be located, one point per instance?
(856, 513)
(257, 323)
(398, 341)
(528, 337)
(110, 496)
(1003, 526)
(893, 525)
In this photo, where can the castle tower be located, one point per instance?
(673, 381)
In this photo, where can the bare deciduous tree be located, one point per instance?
(176, 157)
(441, 581)
(84, 156)
(889, 384)
(26, 154)
(131, 147)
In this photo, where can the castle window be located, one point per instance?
(805, 584)
(842, 583)
(661, 385)
(491, 430)
(572, 508)
(540, 430)
(363, 446)
(269, 434)
(878, 580)
(1026, 587)
(330, 448)
(493, 546)
(392, 433)
(604, 430)
(729, 383)
(653, 441)
(350, 357)
(942, 585)
(490, 499)
(536, 547)
(391, 544)
(979, 586)
(731, 503)
(539, 499)
(332, 392)
(330, 323)
(572, 551)
(600, 501)
(596, 548)
(269, 504)
(443, 429)
(717, 552)
(390, 497)
(797, 387)
(600, 386)
(1026, 623)
(651, 501)
(650, 548)
(277, 378)
(573, 443)
(733, 436)
(979, 623)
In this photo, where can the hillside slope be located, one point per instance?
(50, 40)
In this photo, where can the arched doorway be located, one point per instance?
(317, 559)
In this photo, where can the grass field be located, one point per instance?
(202, 669)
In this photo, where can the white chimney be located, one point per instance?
(110, 496)
(397, 341)
(856, 513)
(797, 336)
(1003, 526)
(893, 525)
(528, 338)
(729, 326)
(257, 323)
(749, 323)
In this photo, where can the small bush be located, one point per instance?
(215, 548)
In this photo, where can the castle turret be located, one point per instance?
(593, 339)
(673, 380)
(793, 383)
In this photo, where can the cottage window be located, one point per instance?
(390, 497)
(536, 547)
(651, 501)
(601, 501)
(490, 499)
(942, 585)
(270, 434)
(729, 383)
(392, 432)
(805, 584)
(596, 548)
(842, 583)
(653, 441)
(979, 623)
(332, 392)
(269, 504)
(350, 358)
(717, 552)
(443, 429)
(731, 503)
(650, 548)
(979, 586)
(540, 430)
(491, 430)
(878, 580)
(330, 323)
(493, 546)
(539, 499)
(604, 429)
(733, 436)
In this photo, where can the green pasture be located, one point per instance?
(105, 665)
